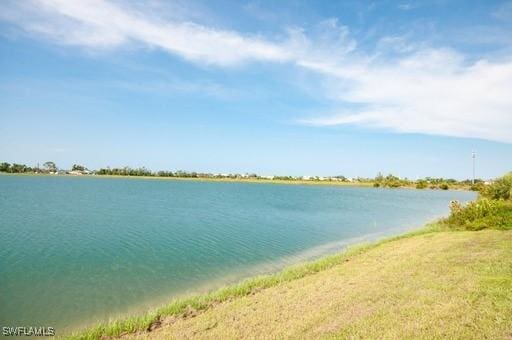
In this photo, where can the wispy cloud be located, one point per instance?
(432, 92)
(413, 88)
(101, 24)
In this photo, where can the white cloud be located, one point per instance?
(101, 24)
(401, 86)
(431, 92)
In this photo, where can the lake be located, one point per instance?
(74, 250)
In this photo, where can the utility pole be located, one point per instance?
(473, 155)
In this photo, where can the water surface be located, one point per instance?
(77, 250)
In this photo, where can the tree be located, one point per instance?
(77, 167)
(4, 167)
(50, 166)
(18, 168)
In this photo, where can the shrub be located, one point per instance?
(393, 184)
(421, 184)
(500, 189)
(477, 187)
(483, 213)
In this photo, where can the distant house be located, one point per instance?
(80, 172)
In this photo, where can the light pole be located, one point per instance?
(473, 155)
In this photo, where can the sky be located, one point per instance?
(273, 87)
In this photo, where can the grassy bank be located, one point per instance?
(194, 304)
(424, 284)
(435, 285)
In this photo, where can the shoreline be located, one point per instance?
(271, 268)
(185, 316)
(237, 180)
(201, 179)
(210, 295)
(442, 284)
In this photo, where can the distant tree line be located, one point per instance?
(127, 171)
(16, 168)
(389, 181)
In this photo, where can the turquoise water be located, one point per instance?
(77, 250)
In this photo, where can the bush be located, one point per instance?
(477, 187)
(483, 213)
(500, 189)
(421, 184)
(393, 184)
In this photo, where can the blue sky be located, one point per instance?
(296, 87)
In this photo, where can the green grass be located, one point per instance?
(452, 284)
(247, 287)
(426, 284)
